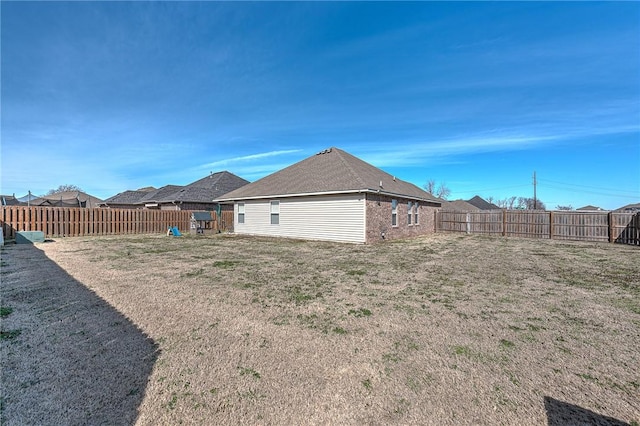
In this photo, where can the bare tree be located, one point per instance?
(439, 190)
(64, 188)
(506, 203)
(569, 207)
(530, 204)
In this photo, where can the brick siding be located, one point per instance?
(379, 219)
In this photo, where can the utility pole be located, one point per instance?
(535, 199)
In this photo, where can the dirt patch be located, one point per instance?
(442, 329)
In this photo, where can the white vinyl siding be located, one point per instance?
(329, 218)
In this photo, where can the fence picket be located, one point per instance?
(618, 227)
(64, 222)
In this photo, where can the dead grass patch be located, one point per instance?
(443, 329)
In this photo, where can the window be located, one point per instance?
(240, 212)
(409, 213)
(275, 212)
(394, 212)
(416, 207)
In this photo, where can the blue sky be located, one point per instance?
(112, 96)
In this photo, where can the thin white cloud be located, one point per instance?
(245, 158)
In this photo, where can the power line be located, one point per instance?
(591, 187)
(583, 191)
(491, 189)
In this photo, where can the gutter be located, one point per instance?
(307, 194)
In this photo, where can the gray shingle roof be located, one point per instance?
(160, 194)
(126, 197)
(459, 205)
(630, 207)
(207, 188)
(482, 204)
(330, 171)
(68, 198)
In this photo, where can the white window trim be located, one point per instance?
(241, 211)
(274, 211)
(394, 213)
(416, 216)
(410, 213)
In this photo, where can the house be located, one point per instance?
(590, 209)
(160, 198)
(482, 204)
(630, 208)
(459, 206)
(332, 196)
(197, 195)
(10, 200)
(67, 199)
(127, 199)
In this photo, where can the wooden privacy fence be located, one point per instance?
(613, 227)
(72, 222)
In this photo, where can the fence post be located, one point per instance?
(551, 225)
(611, 227)
(468, 224)
(504, 222)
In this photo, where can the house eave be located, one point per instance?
(309, 194)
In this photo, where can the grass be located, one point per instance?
(405, 332)
(9, 334)
(5, 311)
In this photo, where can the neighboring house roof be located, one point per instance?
(630, 208)
(126, 197)
(482, 204)
(67, 199)
(28, 198)
(10, 200)
(590, 208)
(160, 194)
(206, 189)
(201, 191)
(331, 171)
(459, 205)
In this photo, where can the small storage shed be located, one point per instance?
(202, 223)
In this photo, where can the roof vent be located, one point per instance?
(380, 184)
(326, 151)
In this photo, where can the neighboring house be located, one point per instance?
(590, 209)
(332, 196)
(11, 200)
(152, 199)
(197, 195)
(482, 204)
(459, 206)
(127, 199)
(67, 199)
(630, 208)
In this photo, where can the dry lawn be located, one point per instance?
(446, 329)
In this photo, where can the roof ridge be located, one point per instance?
(348, 165)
